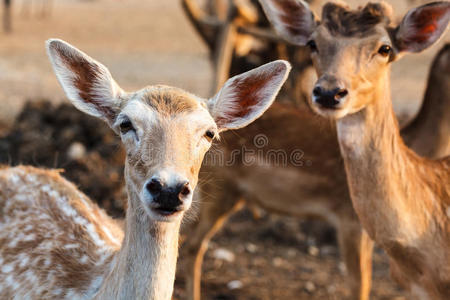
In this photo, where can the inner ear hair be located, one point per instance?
(87, 83)
(421, 27)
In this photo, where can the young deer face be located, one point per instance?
(352, 50)
(166, 131)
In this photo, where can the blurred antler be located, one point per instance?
(246, 10)
(206, 25)
(220, 27)
(7, 15)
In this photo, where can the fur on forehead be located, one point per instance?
(169, 101)
(340, 19)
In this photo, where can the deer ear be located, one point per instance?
(86, 82)
(247, 96)
(422, 26)
(292, 19)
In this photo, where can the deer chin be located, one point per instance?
(164, 213)
(332, 113)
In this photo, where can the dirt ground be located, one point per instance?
(149, 42)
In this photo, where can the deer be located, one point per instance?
(319, 190)
(57, 244)
(435, 112)
(402, 199)
(44, 8)
(7, 16)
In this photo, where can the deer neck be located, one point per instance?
(376, 161)
(144, 268)
(434, 113)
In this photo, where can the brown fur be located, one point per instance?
(402, 200)
(74, 274)
(290, 11)
(248, 98)
(164, 131)
(300, 191)
(170, 101)
(339, 19)
(434, 114)
(291, 128)
(85, 79)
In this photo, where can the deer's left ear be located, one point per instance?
(87, 83)
(291, 19)
(422, 26)
(247, 96)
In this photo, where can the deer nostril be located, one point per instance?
(341, 94)
(154, 186)
(185, 189)
(317, 91)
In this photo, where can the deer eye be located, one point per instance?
(312, 46)
(385, 50)
(209, 134)
(126, 126)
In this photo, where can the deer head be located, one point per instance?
(352, 49)
(166, 131)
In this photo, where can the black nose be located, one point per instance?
(168, 197)
(329, 98)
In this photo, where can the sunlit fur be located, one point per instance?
(402, 200)
(56, 244)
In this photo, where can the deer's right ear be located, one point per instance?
(245, 97)
(86, 82)
(422, 26)
(292, 19)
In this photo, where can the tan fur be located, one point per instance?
(300, 191)
(55, 244)
(61, 217)
(169, 100)
(401, 199)
(43, 217)
(304, 191)
(434, 115)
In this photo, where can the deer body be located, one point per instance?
(70, 249)
(401, 199)
(434, 113)
(46, 227)
(317, 187)
(56, 244)
(311, 185)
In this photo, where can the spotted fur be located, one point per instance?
(54, 242)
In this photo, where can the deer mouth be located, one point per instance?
(327, 106)
(167, 211)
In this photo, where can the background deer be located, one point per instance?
(6, 15)
(402, 199)
(434, 115)
(27, 6)
(319, 190)
(56, 244)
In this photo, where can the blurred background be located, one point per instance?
(152, 42)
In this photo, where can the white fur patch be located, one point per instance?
(7, 268)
